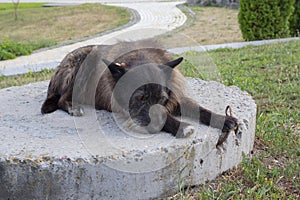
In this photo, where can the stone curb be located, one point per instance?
(234, 45)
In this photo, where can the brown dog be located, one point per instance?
(134, 75)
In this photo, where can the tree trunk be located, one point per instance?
(16, 5)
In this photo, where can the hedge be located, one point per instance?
(265, 19)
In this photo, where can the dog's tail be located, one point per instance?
(50, 104)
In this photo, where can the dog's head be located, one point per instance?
(142, 86)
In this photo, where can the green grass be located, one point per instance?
(271, 75)
(30, 77)
(38, 27)
(10, 6)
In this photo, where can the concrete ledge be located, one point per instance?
(56, 156)
(234, 45)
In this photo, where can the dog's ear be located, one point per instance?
(174, 63)
(117, 71)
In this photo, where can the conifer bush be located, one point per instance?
(295, 20)
(265, 19)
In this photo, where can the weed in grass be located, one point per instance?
(10, 49)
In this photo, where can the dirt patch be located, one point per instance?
(210, 25)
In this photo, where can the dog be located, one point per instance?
(139, 79)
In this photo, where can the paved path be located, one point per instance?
(155, 18)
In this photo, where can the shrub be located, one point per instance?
(286, 11)
(295, 20)
(10, 49)
(265, 19)
(230, 3)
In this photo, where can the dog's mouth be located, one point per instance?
(141, 118)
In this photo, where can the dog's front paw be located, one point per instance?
(231, 123)
(76, 111)
(185, 131)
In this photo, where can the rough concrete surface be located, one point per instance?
(56, 156)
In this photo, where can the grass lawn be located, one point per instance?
(39, 26)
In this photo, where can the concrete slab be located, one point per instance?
(57, 156)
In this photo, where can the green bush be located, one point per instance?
(295, 20)
(10, 49)
(265, 19)
(286, 11)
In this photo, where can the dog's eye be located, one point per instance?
(164, 97)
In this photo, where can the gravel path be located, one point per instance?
(153, 20)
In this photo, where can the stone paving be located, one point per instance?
(155, 18)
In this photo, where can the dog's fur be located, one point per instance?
(89, 72)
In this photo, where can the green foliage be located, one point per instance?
(265, 19)
(295, 20)
(10, 49)
(286, 11)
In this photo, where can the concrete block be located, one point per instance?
(57, 156)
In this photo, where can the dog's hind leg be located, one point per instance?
(50, 104)
(65, 103)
